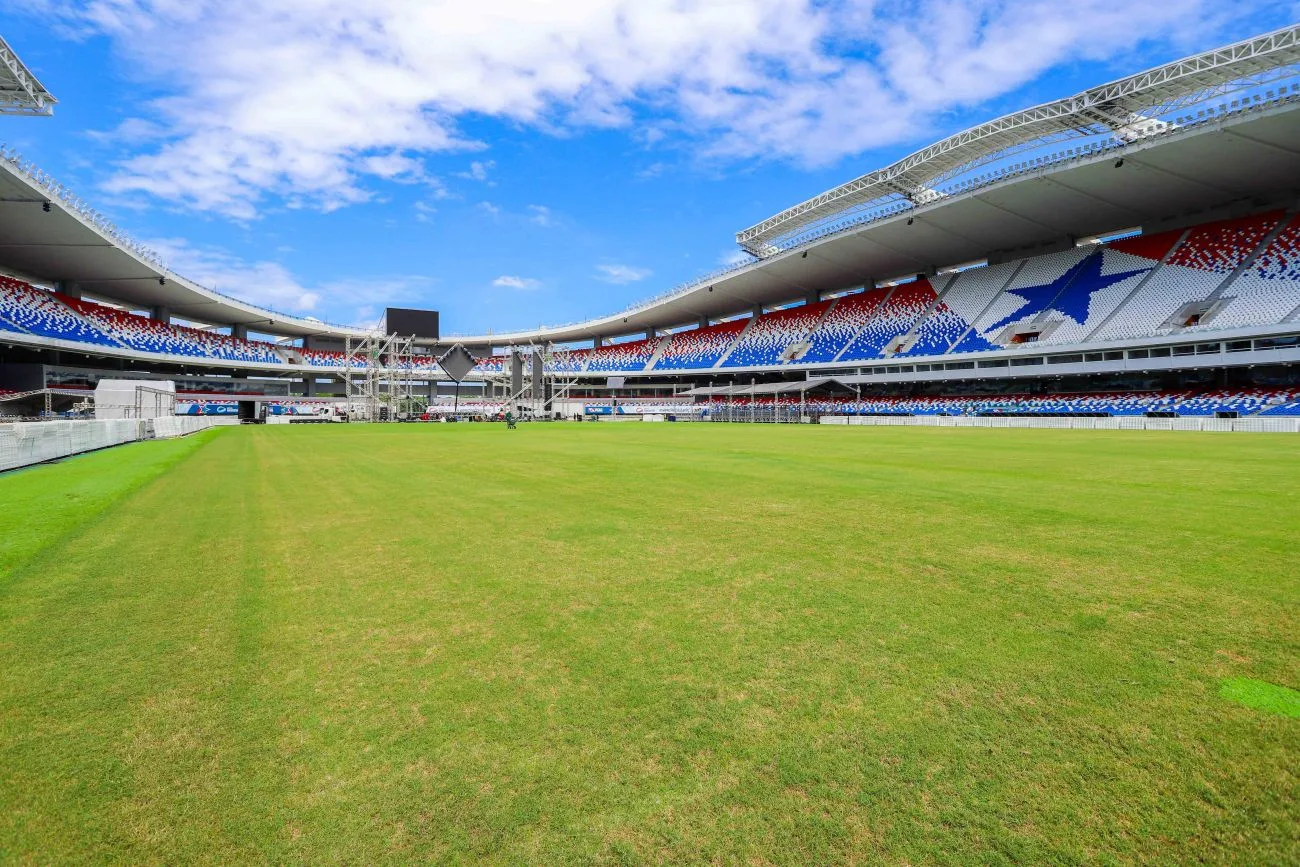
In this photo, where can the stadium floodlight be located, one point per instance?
(20, 92)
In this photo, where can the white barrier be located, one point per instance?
(1250, 425)
(24, 443)
(180, 425)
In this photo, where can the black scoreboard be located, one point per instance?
(406, 322)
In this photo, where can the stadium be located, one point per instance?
(979, 545)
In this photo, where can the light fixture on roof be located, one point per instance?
(162, 281)
(1119, 163)
(911, 220)
(45, 206)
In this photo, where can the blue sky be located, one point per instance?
(513, 163)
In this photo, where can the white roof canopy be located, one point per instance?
(1128, 109)
(20, 92)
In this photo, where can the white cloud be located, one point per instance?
(310, 100)
(541, 215)
(478, 171)
(490, 209)
(524, 284)
(271, 285)
(621, 274)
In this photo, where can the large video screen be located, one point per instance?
(406, 322)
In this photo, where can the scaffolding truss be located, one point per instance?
(534, 394)
(377, 373)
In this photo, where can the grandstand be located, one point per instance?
(1121, 269)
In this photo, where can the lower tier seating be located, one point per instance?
(1243, 402)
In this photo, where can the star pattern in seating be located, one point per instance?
(1072, 304)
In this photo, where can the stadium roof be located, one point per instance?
(20, 92)
(1130, 108)
(1229, 165)
(1226, 155)
(48, 234)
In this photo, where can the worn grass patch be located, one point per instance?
(608, 643)
(1261, 695)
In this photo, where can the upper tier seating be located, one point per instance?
(699, 347)
(568, 361)
(1222, 275)
(322, 357)
(1030, 293)
(560, 361)
(423, 363)
(630, 356)
(838, 328)
(137, 332)
(892, 319)
(773, 333)
(150, 335)
(938, 331)
(1266, 292)
(971, 297)
(26, 309)
(1222, 246)
(1192, 273)
(1104, 283)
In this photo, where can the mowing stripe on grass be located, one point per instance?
(41, 505)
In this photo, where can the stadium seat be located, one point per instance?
(1268, 291)
(568, 361)
(699, 348)
(892, 319)
(26, 309)
(150, 335)
(492, 364)
(841, 325)
(322, 357)
(631, 356)
(1192, 273)
(1243, 402)
(773, 333)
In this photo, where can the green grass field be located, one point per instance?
(653, 644)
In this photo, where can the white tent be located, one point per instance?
(134, 398)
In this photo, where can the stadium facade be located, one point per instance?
(1139, 238)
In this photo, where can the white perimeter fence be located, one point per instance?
(24, 443)
(1252, 425)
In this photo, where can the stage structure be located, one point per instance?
(457, 364)
(562, 366)
(534, 376)
(377, 372)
